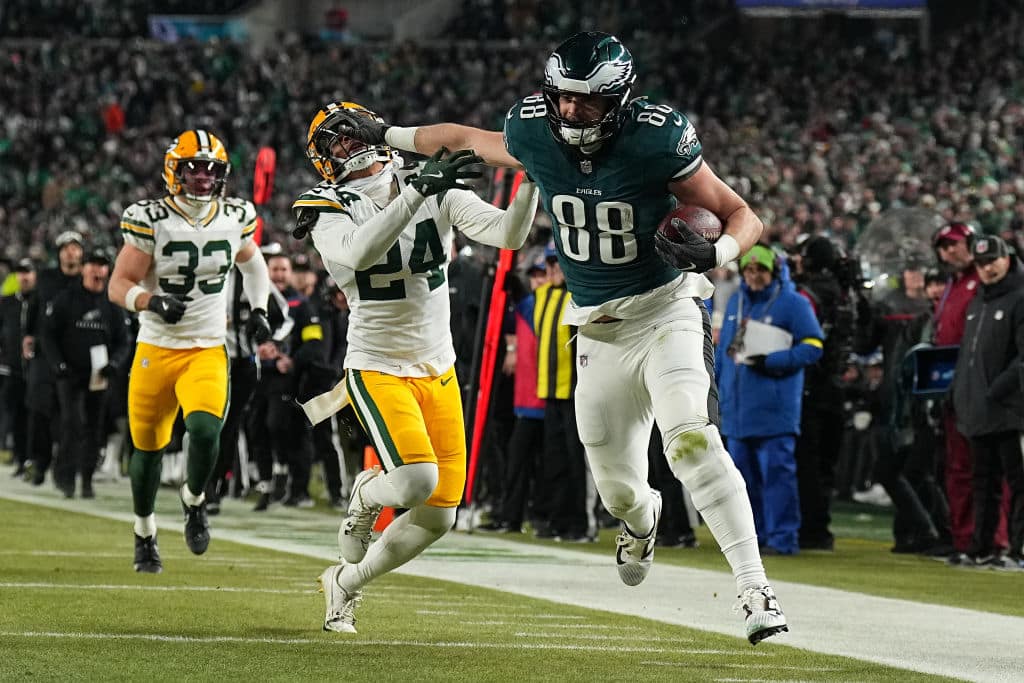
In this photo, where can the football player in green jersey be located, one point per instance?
(608, 169)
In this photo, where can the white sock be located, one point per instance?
(145, 526)
(190, 498)
(405, 538)
(640, 518)
(731, 522)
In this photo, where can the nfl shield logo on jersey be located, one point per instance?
(586, 166)
(584, 360)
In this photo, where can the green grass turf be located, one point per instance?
(243, 613)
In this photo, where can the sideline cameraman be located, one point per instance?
(831, 284)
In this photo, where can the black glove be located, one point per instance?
(363, 128)
(258, 327)
(167, 307)
(440, 174)
(690, 253)
(108, 371)
(758, 364)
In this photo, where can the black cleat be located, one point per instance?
(263, 503)
(197, 527)
(147, 555)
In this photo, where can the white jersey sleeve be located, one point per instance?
(191, 260)
(487, 224)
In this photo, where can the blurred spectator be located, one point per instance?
(905, 466)
(86, 340)
(761, 391)
(524, 491)
(41, 395)
(822, 416)
(952, 242)
(988, 400)
(565, 468)
(13, 308)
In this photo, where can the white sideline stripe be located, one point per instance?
(729, 665)
(164, 589)
(297, 564)
(603, 636)
(350, 642)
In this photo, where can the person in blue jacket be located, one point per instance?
(761, 393)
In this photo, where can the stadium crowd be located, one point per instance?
(820, 152)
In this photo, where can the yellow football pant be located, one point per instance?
(162, 379)
(414, 419)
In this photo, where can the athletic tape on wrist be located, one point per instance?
(132, 295)
(402, 137)
(726, 249)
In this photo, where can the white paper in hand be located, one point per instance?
(760, 339)
(98, 359)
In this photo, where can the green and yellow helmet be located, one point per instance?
(588, 63)
(324, 132)
(193, 149)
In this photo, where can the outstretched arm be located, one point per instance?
(507, 229)
(488, 144)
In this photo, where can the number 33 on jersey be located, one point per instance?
(190, 262)
(606, 208)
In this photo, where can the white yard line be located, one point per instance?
(348, 642)
(959, 643)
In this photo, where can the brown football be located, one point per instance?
(700, 220)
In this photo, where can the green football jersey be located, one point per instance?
(606, 208)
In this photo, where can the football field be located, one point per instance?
(476, 607)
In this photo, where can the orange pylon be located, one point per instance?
(370, 459)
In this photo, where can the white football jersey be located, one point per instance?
(191, 261)
(399, 308)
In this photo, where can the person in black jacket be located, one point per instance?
(13, 309)
(290, 365)
(988, 400)
(85, 338)
(41, 394)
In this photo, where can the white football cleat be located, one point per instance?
(633, 555)
(357, 529)
(763, 614)
(341, 606)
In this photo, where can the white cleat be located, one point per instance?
(763, 614)
(341, 606)
(633, 555)
(357, 529)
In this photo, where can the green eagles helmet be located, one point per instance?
(588, 63)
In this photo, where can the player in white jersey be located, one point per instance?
(172, 269)
(384, 233)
